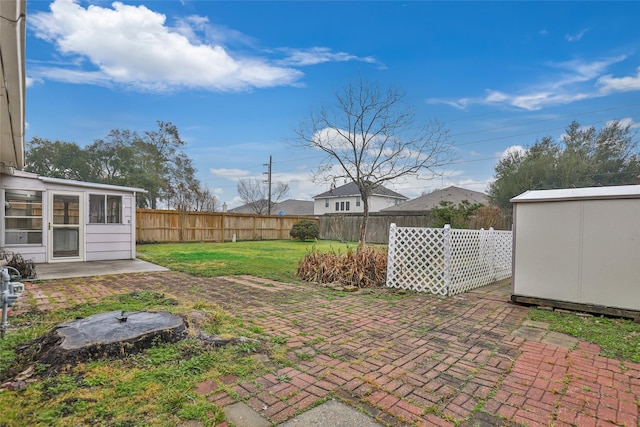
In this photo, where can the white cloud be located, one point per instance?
(30, 81)
(610, 84)
(627, 121)
(319, 55)
(577, 36)
(133, 46)
(232, 174)
(511, 150)
(577, 81)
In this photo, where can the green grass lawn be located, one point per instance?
(618, 338)
(269, 259)
(155, 387)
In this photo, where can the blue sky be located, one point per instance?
(237, 77)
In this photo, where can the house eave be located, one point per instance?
(91, 185)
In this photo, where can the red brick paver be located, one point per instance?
(414, 359)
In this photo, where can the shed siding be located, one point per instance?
(547, 246)
(579, 250)
(611, 253)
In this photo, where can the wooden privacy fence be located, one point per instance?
(346, 227)
(154, 225)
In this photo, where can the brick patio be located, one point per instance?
(410, 359)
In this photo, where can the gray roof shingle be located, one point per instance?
(432, 200)
(351, 189)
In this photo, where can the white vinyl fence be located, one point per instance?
(447, 261)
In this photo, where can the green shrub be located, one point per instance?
(305, 229)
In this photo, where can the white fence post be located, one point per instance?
(391, 250)
(447, 258)
(492, 254)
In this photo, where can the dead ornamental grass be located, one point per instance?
(365, 267)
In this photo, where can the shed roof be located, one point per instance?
(586, 193)
(80, 184)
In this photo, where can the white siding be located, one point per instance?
(376, 203)
(102, 241)
(108, 241)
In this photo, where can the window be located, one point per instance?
(337, 206)
(357, 201)
(326, 203)
(347, 205)
(341, 206)
(22, 217)
(105, 209)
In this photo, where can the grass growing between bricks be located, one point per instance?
(617, 338)
(157, 387)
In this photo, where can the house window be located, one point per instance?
(341, 206)
(347, 205)
(326, 203)
(22, 217)
(105, 209)
(357, 201)
(337, 206)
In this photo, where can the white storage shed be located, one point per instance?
(578, 248)
(58, 220)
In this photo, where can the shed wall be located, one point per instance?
(101, 241)
(584, 251)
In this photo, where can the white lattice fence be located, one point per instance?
(447, 261)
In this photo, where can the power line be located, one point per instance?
(525, 134)
(321, 156)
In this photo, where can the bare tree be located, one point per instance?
(370, 137)
(205, 200)
(254, 193)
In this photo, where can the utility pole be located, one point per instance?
(268, 181)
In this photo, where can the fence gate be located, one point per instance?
(447, 261)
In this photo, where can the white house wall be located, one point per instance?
(37, 253)
(376, 204)
(111, 241)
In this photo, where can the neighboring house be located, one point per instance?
(347, 199)
(48, 219)
(286, 207)
(432, 200)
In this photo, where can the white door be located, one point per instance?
(66, 226)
